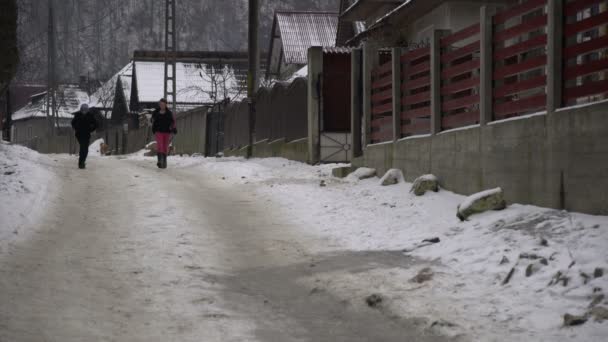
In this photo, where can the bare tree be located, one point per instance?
(219, 83)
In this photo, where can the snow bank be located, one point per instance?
(470, 263)
(24, 181)
(95, 148)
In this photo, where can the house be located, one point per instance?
(204, 78)
(117, 87)
(409, 23)
(292, 34)
(347, 30)
(16, 96)
(31, 121)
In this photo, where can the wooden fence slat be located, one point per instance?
(573, 7)
(421, 112)
(518, 48)
(413, 55)
(587, 89)
(383, 69)
(448, 57)
(381, 136)
(519, 86)
(586, 24)
(518, 10)
(460, 69)
(459, 120)
(587, 68)
(383, 82)
(416, 128)
(525, 27)
(586, 47)
(462, 102)
(527, 104)
(417, 98)
(529, 64)
(461, 35)
(381, 121)
(382, 109)
(416, 83)
(382, 96)
(456, 87)
(418, 69)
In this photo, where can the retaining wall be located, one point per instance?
(559, 160)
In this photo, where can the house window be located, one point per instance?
(30, 133)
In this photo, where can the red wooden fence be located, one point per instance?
(460, 78)
(415, 92)
(520, 59)
(382, 103)
(585, 51)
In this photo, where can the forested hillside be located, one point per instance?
(97, 37)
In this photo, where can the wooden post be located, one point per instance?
(555, 38)
(396, 60)
(435, 82)
(486, 66)
(370, 61)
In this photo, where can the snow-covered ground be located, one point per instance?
(558, 259)
(465, 294)
(24, 185)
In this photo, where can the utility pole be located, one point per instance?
(50, 95)
(170, 55)
(254, 64)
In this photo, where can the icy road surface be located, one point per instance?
(127, 252)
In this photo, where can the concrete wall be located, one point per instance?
(294, 150)
(557, 160)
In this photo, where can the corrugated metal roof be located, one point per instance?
(301, 30)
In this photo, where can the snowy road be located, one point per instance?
(126, 252)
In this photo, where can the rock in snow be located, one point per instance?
(425, 183)
(343, 171)
(391, 177)
(362, 173)
(571, 320)
(482, 201)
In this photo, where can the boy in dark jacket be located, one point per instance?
(163, 124)
(84, 124)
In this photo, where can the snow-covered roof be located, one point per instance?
(68, 97)
(104, 96)
(195, 82)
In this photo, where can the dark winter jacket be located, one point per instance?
(163, 123)
(84, 124)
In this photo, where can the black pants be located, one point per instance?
(84, 149)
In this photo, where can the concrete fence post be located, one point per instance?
(370, 61)
(555, 38)
(315, 102)
(396, 81)
(435, 82)
(485, 66)
(356, 103)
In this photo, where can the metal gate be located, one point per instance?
(215, 133)
(336, 138)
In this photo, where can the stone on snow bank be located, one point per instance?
(362, 173)
(425, 183)
(343, 171)
(492, 199)
(391, 177)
